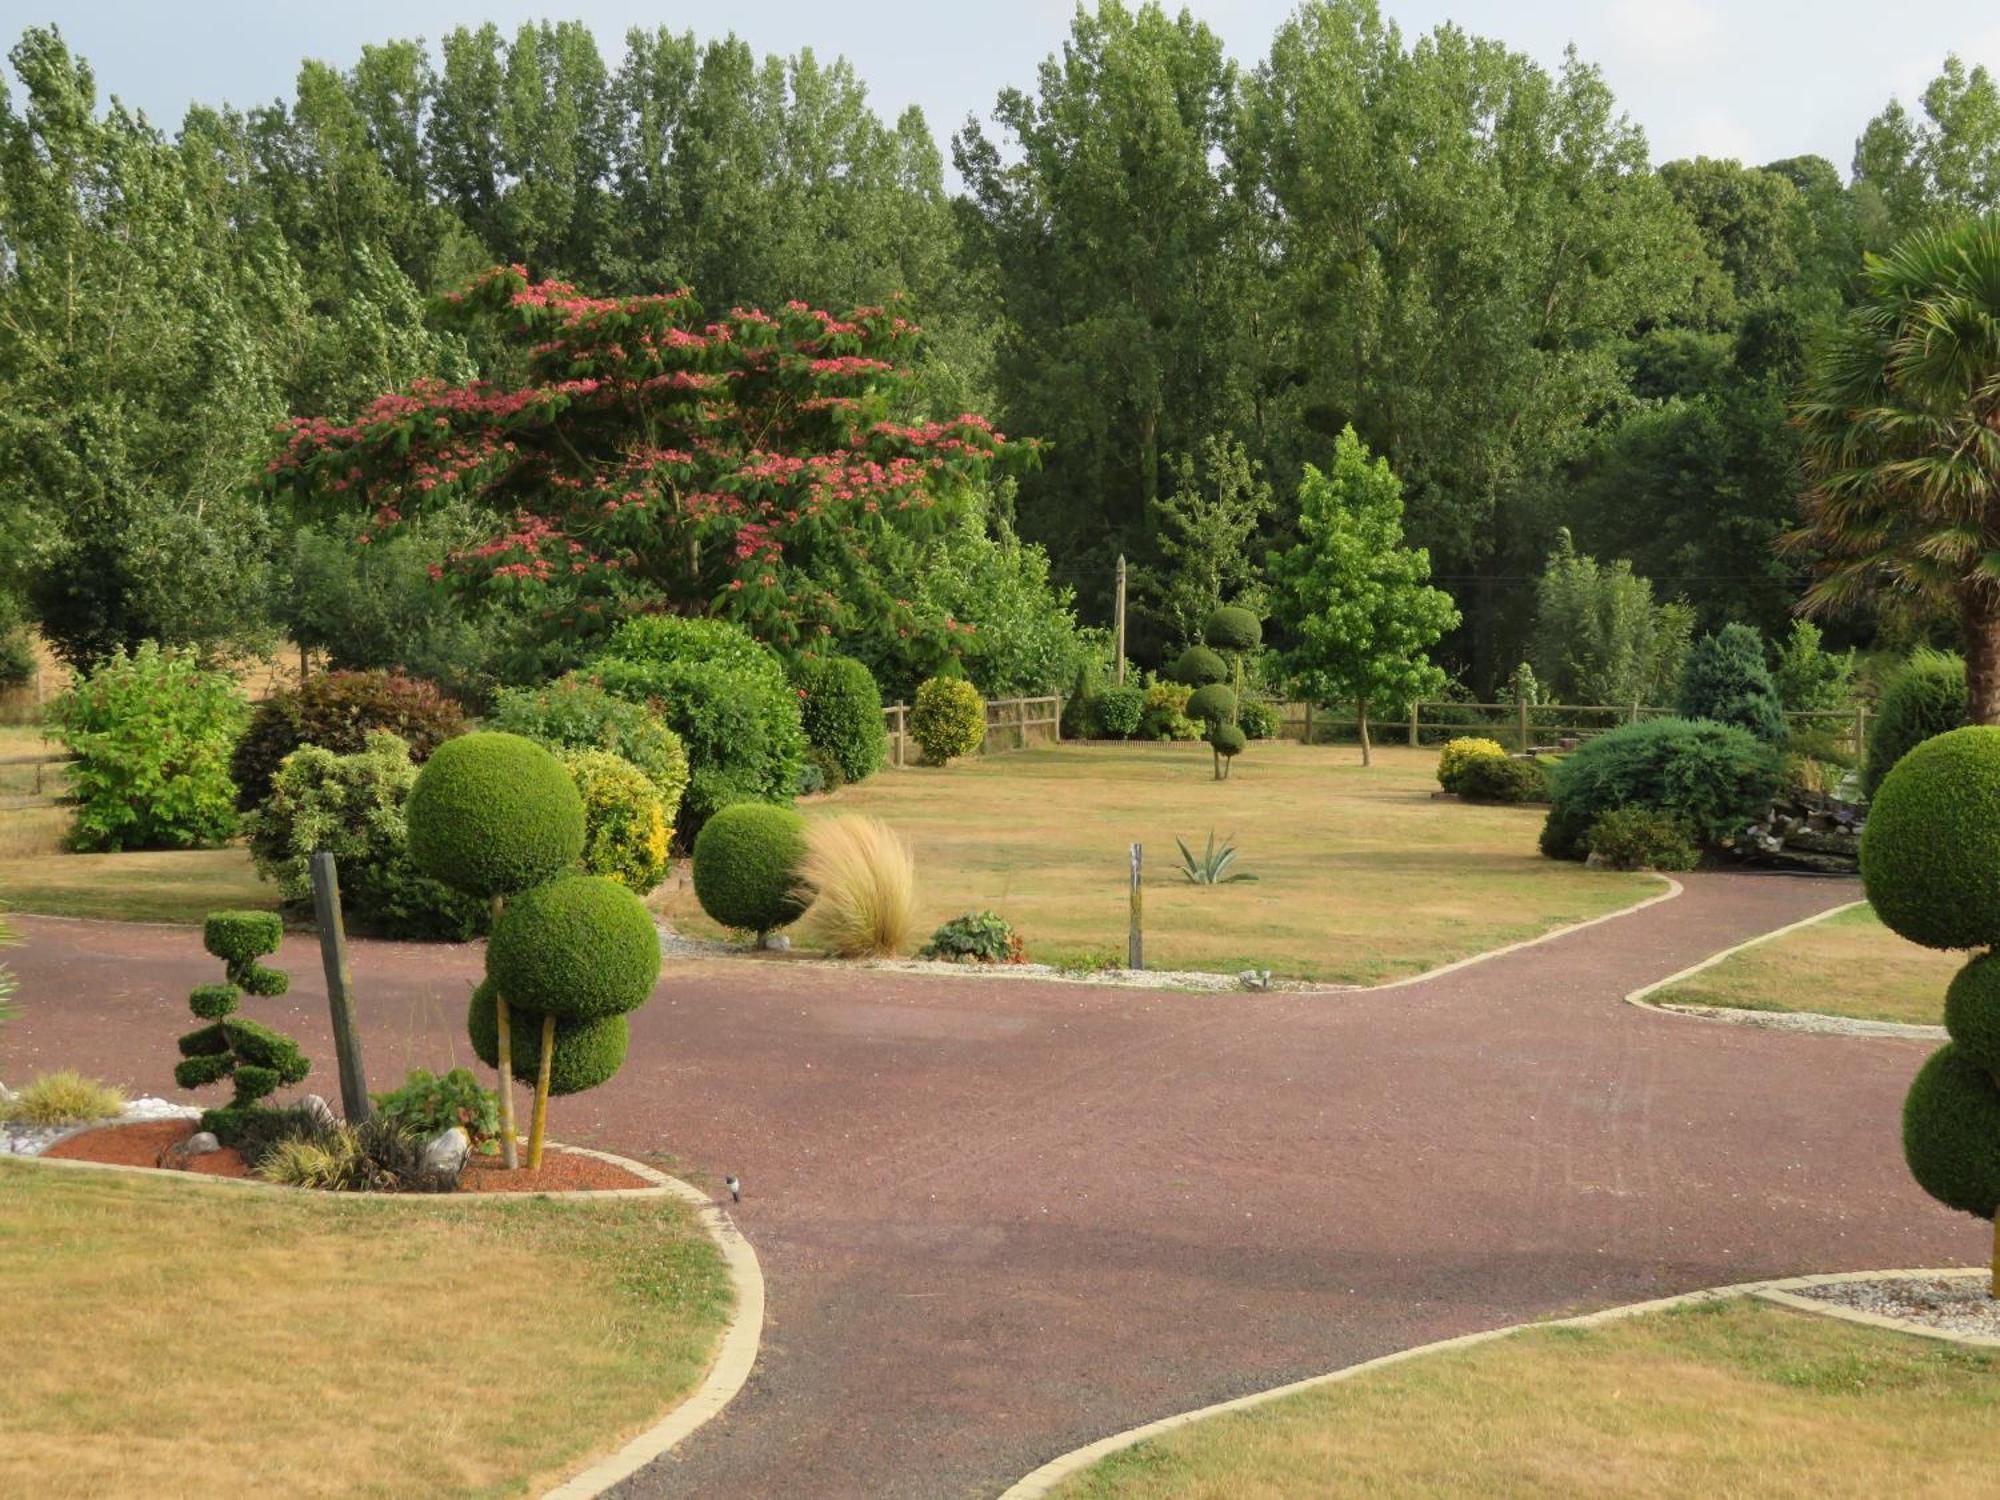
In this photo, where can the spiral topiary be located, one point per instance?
(255, 1057)
(576, 948)
(1233, 628)
(494, 813)
(746, 862)
(586, 1053)
(1198, 666)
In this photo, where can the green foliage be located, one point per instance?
(1716, 777)
(1808, 677)
(151, 733)
(1116, 712)
(1725, 679)
(1164, 714)
(355, 808)
(1639, 838)
(1460, 753)
(1930, 852)
(572, 714)
(1599, 637)
(1951, 1132)
(1199, 667)
(1213, 866)
(1233, 628)
(949, 719)
(428, 1104)
(337, 711)
(1972, 1011)
(578, 948)
(1212, 705)
(980, 937)
(1502, 778)
(1258, 720)
(492, 814)
(1228, 742)
(841, 710)
(746, 861)
(587, 1053)
(258, 1059)
(383, 1154)
(62, 1098)
(239, 939)
(1206, 530)
(626, 835)
(727, 697)
(1926, 697)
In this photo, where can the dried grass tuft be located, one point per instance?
(864, 885)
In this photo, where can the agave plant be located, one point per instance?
(1212, 866)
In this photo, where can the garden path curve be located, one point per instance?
(1000, 1219)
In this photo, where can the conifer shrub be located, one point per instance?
(1925, 698)
(257, 1059)
(1227, 741)
(949, 719)
(1716, 777)
(587, 1053)
(746, 864)
(494, 813)
(1233, 628)
(578, 948)
(1725, 679)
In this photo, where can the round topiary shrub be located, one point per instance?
(1930, 852)
(1725, 679)
(1227, 741)
(841, 708)
(1212, 705)
(1233, 628)
(1951, 1132)
(1717, 778)
(1461, 752)
(336, 711)
(949, 719)
(746, 862)
(1926, 698)
(493, 814)
(1972, 1011)
(587, 1053)
(575, 948)
(626, 834)
(1198, 666)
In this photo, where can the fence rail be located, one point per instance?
(32, 789)
(1023, 721)
(1529, 726)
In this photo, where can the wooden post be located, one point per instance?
(1119, 649)
(1309, 723)
(339, 986)
(1861, 747)
(1135, 945)
(504, 1057)
(1521, 711)
(1414, 706)
(1635, 712)
(541, 1113)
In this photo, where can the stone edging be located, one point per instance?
(1064, 1466)
(1813, 1022)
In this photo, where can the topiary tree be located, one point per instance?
(1212, 705)
(841, 708)
(1930, 862)
(258, 1059)
(1725, 680)
(1233, 629)
(746, 862)
(1227, 741)
(494, 814)
(1198, 667)
(949, 719)
(1926, 697)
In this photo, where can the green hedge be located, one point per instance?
(492, 814)
(1930, 851)
(841, 709)
(576, 948)
(1716, 777)
(746, 862)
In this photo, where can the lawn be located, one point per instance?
(1847, 964)
(163, 1338)
(1722, 1398)
(1362, 876)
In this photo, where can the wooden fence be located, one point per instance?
(1011, 724)
(33, 780)
(1530, 726)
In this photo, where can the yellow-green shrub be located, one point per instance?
(1460, 753)
(626, 832)
(949, 719)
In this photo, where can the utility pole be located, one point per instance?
(1120, 656)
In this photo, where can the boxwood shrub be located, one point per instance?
(1930, 852)
(1198, 667)
(587, 1053)
(1715, 776)
(949, 719)
(1115, 713)
(576, 948)
(841, 710)
(1501, 778)
(746, 861)
(1925, 698)
(336, 711)
(492, 814)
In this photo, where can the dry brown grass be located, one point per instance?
(1847, 965)
(166, 885)
(64, 1097)
(1726, 1399)
(1361, 875)
(864, 884)
(167, 1339)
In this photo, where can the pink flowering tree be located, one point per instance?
(648, 458)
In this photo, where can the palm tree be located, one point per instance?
(1901, 414)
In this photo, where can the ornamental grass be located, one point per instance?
(863, 883)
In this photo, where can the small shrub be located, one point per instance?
(152, 734)
(572, 714)
(1718, 778)
(1165, 716)
(1725, 679)
(1117, 711)
(841, 709)
(862, 883)
(746, 863)
(383, 1154)
(1925, 698)
(1930, 852)
(579, 948)
(980, 937)
(1258, 719)
(1502, 778)
(1636, 838)
(337, 711)
(491, 814)
(1460, 753)
(587, 1053)
(626, 834)
(1808, 677)
(63, 1098)
(1198, 667)
(428, 1104)
(949, 719)
(1233, 628)
(1212, 705)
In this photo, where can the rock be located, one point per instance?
(776, 942)
(1255, 979)
(180, 1156)
(445, 1152)
(318, 1111)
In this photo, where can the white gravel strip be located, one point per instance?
(33, 1140)
(1955, 1304)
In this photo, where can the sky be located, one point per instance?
(1754, 79)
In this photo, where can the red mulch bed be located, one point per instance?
(140, 1146)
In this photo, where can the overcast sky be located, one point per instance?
(1754, 79)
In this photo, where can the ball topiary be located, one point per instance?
(949, 719)
(1198, 666)
(1927, 697)
(1461, 752)
(493, 814)
(626, 832)
(587, 1053)
(1951, 1132)
(1930, 852)
(1725, 680)
(746, 862)
(575, 948)
(1233, 628)
(1972, 1011)
(1212, 705)
(841, 708)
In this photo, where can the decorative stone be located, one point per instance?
(445, 1152)
(180, 1156)
(1255, 979)
(318, 1111)
(776, 942)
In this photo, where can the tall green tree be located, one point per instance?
(1600, 638)
(1355, 603)
(1910, 172)
(1206, 529)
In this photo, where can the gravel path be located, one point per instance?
(999, 1220)
(1956, 1304)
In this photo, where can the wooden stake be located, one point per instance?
(339, 986)
(1135, 946)
(509, 1152)
(541, 1114)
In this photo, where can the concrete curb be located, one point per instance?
(1813, 1023)
(1064, 1466)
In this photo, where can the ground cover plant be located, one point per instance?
(620, 1302)
(1739, 1398)
(1361, 879)
(979, 937)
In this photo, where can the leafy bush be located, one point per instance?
(1503, 778)
(587, 1053)
(1117, 711)
(1715, 776)
(1258, 719)
(353, 806)
(725, 694)
(336, 711)
(1460, 753)
(841, 709)
(428, 1104)
(1725, 679)
(1636, 838)
(980, 937)
(579, 948)
(63, 1098)
(1165, 714)
(746, 863)
(949, 719)
(1808, 677)
(1925, 698)
(572, 714)
(1930, 852)
(863, 885)
(1198, 667)
(626, 834)
(1233, 628)
(492, 814)
(151, 733)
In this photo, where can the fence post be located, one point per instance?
(1309, 722)
(339, 986)
(1521, 710)
(1118, 657)
(1635, 712)
(1860, 731)
(1414, 706)
(1135, 948)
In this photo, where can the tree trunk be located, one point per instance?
(1361, 720)
(541, 1115)
(504, 1057)
(1979, 619)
